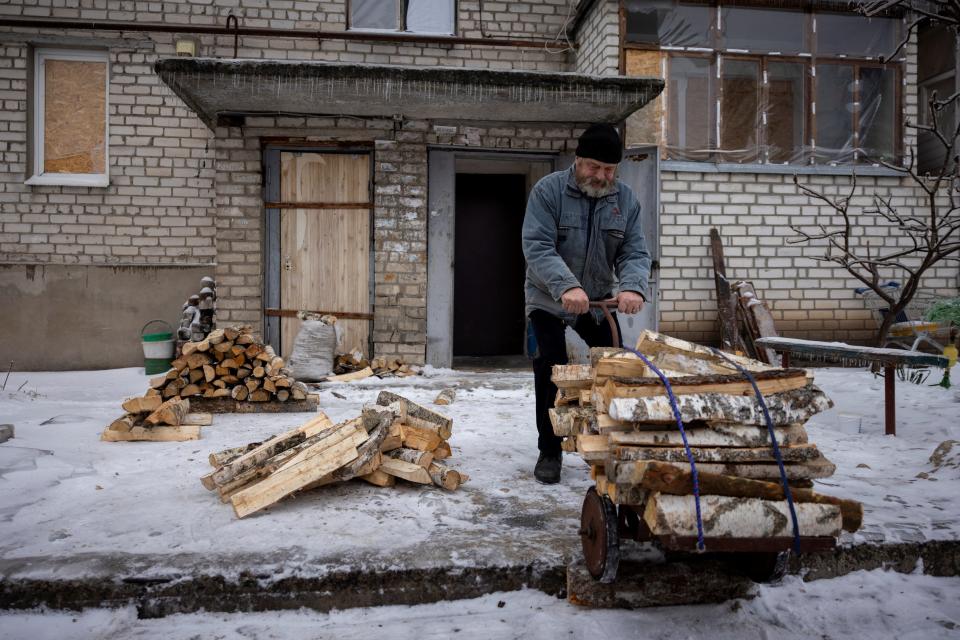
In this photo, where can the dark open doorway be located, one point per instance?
(488, 318)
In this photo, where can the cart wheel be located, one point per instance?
(598, 536)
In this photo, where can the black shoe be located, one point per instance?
(547, 470)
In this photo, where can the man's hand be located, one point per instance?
(575, 301)
(629, 302)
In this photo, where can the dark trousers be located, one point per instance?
(552, 349)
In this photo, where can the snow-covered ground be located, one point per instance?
(864, 604)
(73, 506)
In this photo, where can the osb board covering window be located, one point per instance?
(74, 116)
(644, 126)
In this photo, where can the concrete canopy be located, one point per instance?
(214, 87)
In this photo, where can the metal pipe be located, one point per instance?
(93, 25)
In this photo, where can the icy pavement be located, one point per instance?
(72, 506)
(863, 604)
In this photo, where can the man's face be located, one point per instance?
(594, 178)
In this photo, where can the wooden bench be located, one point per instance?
(891, 359)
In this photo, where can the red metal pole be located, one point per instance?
(890, 400)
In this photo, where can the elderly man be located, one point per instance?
(583, 242)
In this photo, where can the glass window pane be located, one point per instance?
(855, 35)
(669, 23)
(691, 110)
(430, 16)
(833, 135)
(763, 30)
(877, 113)
(374, 14)
(74, 116)
(786, 106)
(739, 111)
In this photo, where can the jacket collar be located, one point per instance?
(574, 190)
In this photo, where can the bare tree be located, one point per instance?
(932, 231)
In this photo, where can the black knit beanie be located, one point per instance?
(600, 142)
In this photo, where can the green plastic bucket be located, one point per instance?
(158, 348)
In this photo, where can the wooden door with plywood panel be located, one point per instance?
(321, 243)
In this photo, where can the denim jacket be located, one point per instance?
(555, 237)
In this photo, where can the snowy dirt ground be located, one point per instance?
(863, 604)
(72, 506)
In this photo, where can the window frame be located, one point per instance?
(810, 60)
(37, 136)
(402, 21)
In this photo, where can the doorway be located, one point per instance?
(488, 318)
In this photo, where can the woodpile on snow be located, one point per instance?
(229, 363)
(395, 438)
(616, 414)
(151, 418)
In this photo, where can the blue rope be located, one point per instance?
(683, 434)
(776, 448)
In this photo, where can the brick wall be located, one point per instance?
(754, 212)
(599, 38)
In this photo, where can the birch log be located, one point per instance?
(812, 470)
(444, 477)
(727, 455)
(786, 408)
(726, 517)
(716, 436)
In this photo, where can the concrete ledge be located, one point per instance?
(642, 583)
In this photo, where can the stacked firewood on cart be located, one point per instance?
(617, 415)
(395, 438)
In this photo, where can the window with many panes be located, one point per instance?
(69, 120)
(413, 16)
(747, 82)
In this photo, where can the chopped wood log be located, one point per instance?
(197, 360)
(394, 439)
(298, 391)
(769, 382)
(405, 470)
(593, 449)
(230, 380)
(154, 434)
(293, 477)
(726, 455)
(274, 365)
(283, 395)
(143, 404)
(245, 339)
(244, 372)
(215, 337)
(158, 382)
(124, 423)
(445, 397)
(240, 392)
(379, 478)
(417, 415)
(259, 396)
(652, 343)
(571, 421)
(230, 333)
(229, 364)
(253, 350)
(221, 393)
(606, 424)
(209, 373)
(259, 372)
(785, 408)
(199, 418)
(252, 384)
(151, 392)
(442, 452)
(223, 347)
(666, 478)
(444, 477)
(268, 385)
(173, 374)
(420, 438)
(813, 470)
(282, 382)
(353, 375)
(188, 348)
(220, 458)
(715, 436)
(567, 397)
(572, 376)
(726, 517)
(190, 390)
(413, 456)
(203, 345)
(369, 455)
(172, 412)
(624, 364)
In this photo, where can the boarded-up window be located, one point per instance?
(644, 127)
(70, 118)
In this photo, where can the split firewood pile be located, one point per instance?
(153, 419)
(229, 363)
(353, 366)
(616, 414)
(395, 438)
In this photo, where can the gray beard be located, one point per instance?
(593, 192)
